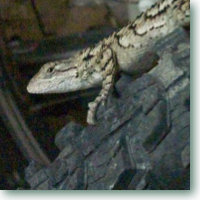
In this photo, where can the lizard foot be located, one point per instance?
(93, 106)
(91, 113)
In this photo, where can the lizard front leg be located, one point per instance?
(109, 69)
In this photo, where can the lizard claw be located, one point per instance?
(104, 102)
(92, 122)
(91, 113)
(91, 118)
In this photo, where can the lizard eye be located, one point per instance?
(50, 69)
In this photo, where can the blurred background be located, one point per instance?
(33, 32)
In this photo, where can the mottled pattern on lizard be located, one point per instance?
(122, 51)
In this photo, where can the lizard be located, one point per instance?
(122, 51)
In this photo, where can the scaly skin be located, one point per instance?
(122, 51)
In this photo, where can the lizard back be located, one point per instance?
(137, 38)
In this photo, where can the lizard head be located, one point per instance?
(75, 73)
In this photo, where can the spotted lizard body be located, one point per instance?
(122, 51)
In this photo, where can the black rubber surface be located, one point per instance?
(143, 138)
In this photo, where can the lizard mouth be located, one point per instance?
(36, 87)
(32, 88)
(48, 86)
